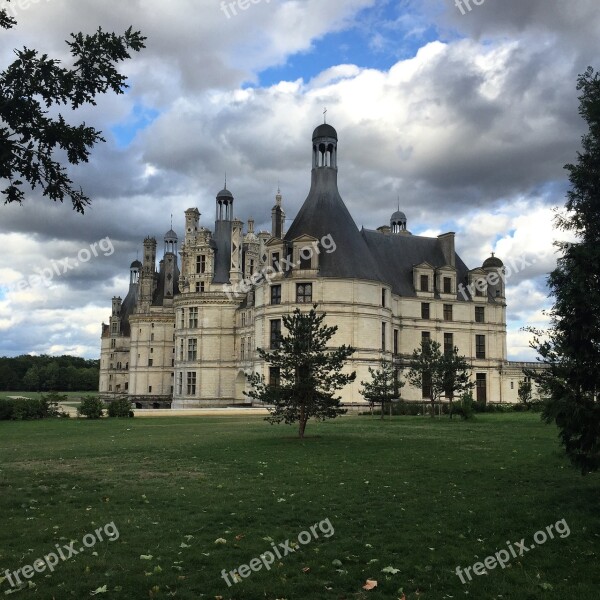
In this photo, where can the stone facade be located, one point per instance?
(187, 336)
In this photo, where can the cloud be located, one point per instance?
(470, 131)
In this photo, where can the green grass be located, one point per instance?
(72, 396)
(420, 495)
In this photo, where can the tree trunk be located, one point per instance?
(382, 409)
(302, 422)
(302, 427)
(432, 408)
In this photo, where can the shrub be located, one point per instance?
(465, 406)
(120, 408)
(91, 407)
(6, 409)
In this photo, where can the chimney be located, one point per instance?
(447, 244)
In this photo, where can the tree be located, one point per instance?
(29, 138)
(32, 381)
(525, 393)
(570, 349)
(304, 373)
(383, 387)
(441, 373)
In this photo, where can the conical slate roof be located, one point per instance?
(324, 213)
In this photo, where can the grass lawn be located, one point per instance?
(422, 496)
(72, 396)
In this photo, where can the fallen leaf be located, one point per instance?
(390, 570)
(100, 590)
(370, 585)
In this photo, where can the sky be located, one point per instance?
(464, 114)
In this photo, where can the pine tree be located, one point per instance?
(383, 387)
(304, 373)
(570, 349)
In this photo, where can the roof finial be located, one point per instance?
(171, 220)
(225, 180)
(398, 202)
(325, 116)
(493, 254)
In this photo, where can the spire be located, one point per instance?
(325, 116)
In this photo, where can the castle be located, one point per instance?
(186, 334)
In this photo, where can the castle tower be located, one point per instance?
(148, 278)
(170, 274)
(277, 217)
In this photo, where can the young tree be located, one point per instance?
(525, 393)
(304, 373)
(443, 373)
(383, 387)
(571, 348)
(29, 138)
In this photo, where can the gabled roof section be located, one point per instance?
(397, 256)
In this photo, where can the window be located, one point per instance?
(425, 310)
(383, 297)
(150, 362)
(181, 350)
(192, 349)
(448, 343)
(395, 341)
(481, 387)
(113, 343)
(275, 334)
(243, 349)
(304, 293)
(201, 264)
(479, 314)
(179, 383)
(447, 285)
(126, 386)
(193, 320)
(447, 312)
(151, 337)
(197, 286)
(251, 267)
(243, 319)
(383, 336)
(115, 327)
(306, 261)
(152, 325)
(149, 389)
(275, 294)
(191, 383)
(274, 377)
(512, 385)
(425, 336)
(275, 261)
(480, 346)
(151, 350)
(480, 288)
(424, 283)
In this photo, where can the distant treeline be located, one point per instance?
(48, 373)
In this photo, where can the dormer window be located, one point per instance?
(424, 283)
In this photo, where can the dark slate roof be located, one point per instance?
(325, 131)
(324, 213)
(127, 308)
(493, 262)
(396, 256)
(224, 193)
